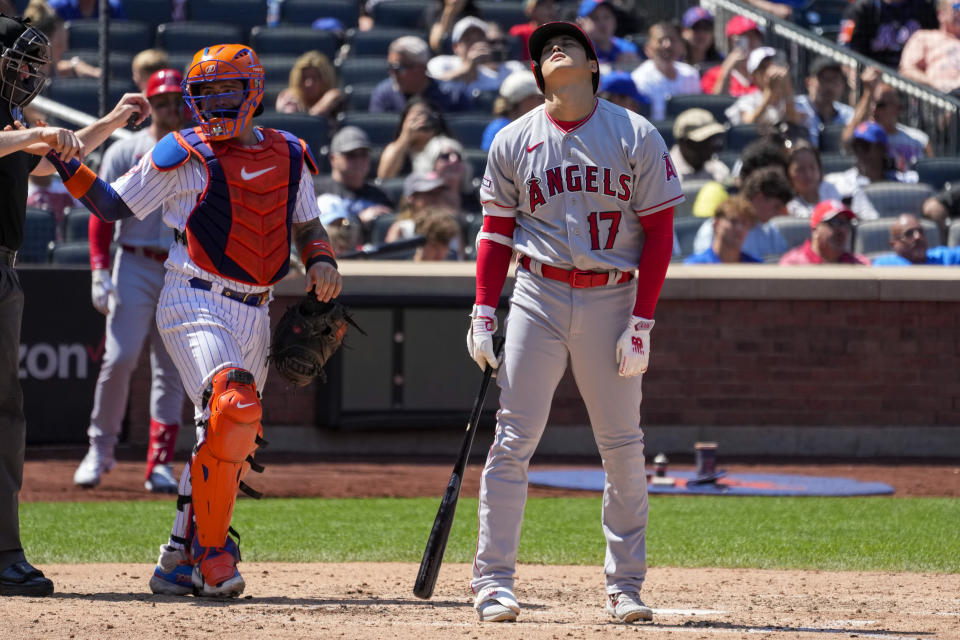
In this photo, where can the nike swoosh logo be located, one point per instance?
(249, 404)
(255, 174)
(529, 149)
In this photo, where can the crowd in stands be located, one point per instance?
(400, 100)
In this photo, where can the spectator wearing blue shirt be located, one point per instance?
(732, 220)
(518, 95)
(599, 22)
(619, 88)
(407, 58)
(81, 9)
(909, 243)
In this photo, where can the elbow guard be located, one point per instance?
(95, 194)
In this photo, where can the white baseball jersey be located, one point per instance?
(578, 196)
(144, 187)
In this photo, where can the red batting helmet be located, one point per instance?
(550, 30)
(164, 81)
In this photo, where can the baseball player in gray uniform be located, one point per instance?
(583, 191)
(129, 300)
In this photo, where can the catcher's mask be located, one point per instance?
(550, 30)
(224, 62)
(23, 63)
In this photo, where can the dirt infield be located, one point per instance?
(372, 601)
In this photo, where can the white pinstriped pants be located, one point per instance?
(205, 332)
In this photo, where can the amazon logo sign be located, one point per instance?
(43, 361)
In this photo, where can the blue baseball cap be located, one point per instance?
(693, 15)
(587, 7)
(870, 132)
(621, 84)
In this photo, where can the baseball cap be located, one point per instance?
(739, 25)
(620, 83)
(870, 132)
(829, 209)
(349, 139)
(696, 125)
(164, 81)
(463, 24)
(519, 85)
(758, 55)
(587, 7)
(822, 63)
(333, 213)
(693, 15)
(421, 183)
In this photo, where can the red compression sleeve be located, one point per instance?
(100, 234)
(493, 260)
(652, 270)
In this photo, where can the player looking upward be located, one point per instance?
(233, 194)
(584, 191)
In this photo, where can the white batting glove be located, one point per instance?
(101, 288)
(633, 347)
(483, 324)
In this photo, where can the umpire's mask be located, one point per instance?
(23, 63)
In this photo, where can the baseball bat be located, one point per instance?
(437, 542)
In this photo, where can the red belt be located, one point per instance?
(577, 278)
(159, 256)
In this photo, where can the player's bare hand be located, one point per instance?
(132, 108)
(633, 347)
(483, 324)
(63, 141)
(325, 277)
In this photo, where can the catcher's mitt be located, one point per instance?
(308, 333)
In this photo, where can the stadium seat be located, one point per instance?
(483, 101)
(125, 35)
(835, 162)
(715, 104)
(473, 225)
(245, 14)
(293, 40)
(276, 69)
(665, 127)
(937, 172)
(314, 130)
(380, 127)
(190, 37)
(380, 227)
(118, 61)
(374, 42)
(357, 96)
(152, 12)
(38, 236)
(954, 235)
(831, 139)
(477, 159)
(180, 60)
(690, 190)
(893, 198)
(873, 236)
(505, 14)
(72, 253)
(306, 11)
(399, 13)
(795, 231)
(368, 70)
(81, 93)
(76, 225)
(468, 127)
(393, 187)
(686, 230)
(739, 136)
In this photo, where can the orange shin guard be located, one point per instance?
(232, 431)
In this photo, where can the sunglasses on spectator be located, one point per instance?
(913, 234)
(397, 67)
(452, 156)
(839, 222)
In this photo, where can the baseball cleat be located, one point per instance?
(93, 465)
(626, 606)
(215, 574)
(497, 604)
(173, 575)
(161, 480)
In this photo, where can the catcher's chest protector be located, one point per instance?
(240, 228)
(221, 460)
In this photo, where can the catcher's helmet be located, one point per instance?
(164, 81)
(550, 30)
(224, 62)
(24, 56)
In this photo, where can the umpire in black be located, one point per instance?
(24, 61)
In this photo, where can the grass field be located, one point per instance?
(857, 534)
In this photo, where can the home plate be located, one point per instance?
(688, 612)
